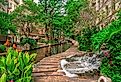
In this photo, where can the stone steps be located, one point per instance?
(46, 69)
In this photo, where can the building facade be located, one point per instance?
(3, 7)
(10, 5)
(106, 10)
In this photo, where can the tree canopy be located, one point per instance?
(6, 24)
(57, 16)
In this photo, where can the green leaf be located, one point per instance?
(33, 56)
(8, 59)
(2, 61)
(26, 58)
(3, 78)
(15, 61)
(28, 69)
(16, 70)
(2, 69)
(27, 79)
(20, 60)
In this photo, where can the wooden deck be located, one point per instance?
(46, 69)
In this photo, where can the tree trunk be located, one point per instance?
(46, 25)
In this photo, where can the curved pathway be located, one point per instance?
(46, 69)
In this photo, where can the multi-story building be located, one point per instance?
(3, 7)
(10, 5)
(106, 10)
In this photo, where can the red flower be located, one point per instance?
(106, 53)
(11, 81)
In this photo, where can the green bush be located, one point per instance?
(49, 41)
(84, 38)
(111, 66)
(104, 35)
(30, 41)
(2, 48)
(16, 66)
(6, 23)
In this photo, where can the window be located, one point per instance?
(14, 6)
(10, 5)
(107, 10)
(93, 4)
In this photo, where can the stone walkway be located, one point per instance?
(46, 69)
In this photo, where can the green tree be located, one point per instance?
(51, 10)
(25, 16)
(58, 17)
(61, 16)
(6, 24)
(73, 9)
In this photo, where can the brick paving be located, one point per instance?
(46, 69)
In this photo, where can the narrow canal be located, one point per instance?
(48, 50)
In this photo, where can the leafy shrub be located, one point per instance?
(16, 66)
(49, 41)
(30, 41)
(2, 48)
(84, 38)
(111, 66)
(6, 24)
(104, 35)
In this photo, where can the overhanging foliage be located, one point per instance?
(6, 24)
